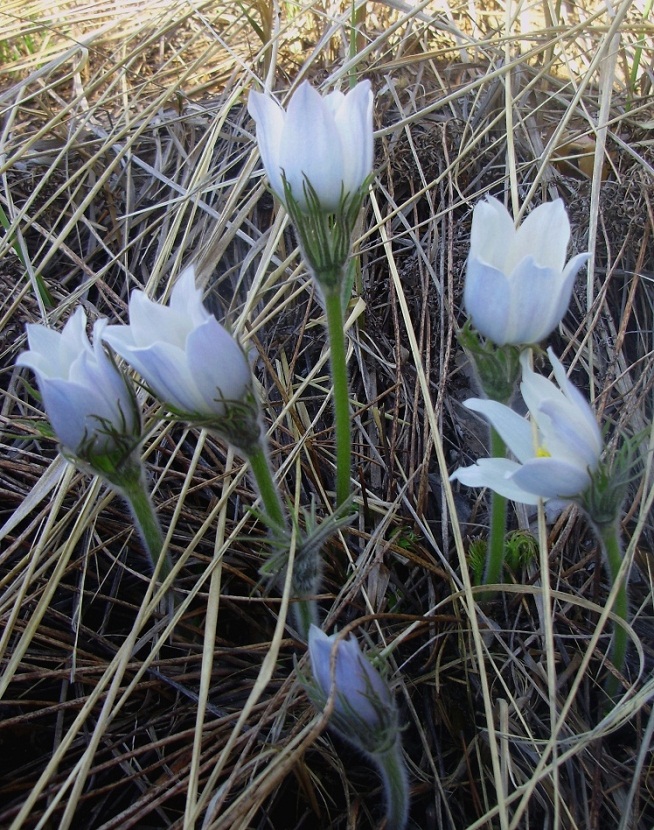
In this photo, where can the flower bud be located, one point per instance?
(190, 362)
(364, 712)
(325, 142)
(518, 285)
(90, 404)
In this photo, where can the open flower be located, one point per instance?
(190, 362)
(90, 404)
(557, 449)
(323, 141)
(518, 285)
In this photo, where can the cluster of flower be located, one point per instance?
(318, 156)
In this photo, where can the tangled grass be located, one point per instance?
(126, 151)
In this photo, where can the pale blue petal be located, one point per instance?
(534, 295)
(165, 370)
(568, 436)
(356, 681)
(566, 284)
(73, 411)
(551, 478)
(218, 366)
(487, 299)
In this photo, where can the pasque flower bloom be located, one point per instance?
(90, 404)
(190, 362)
(325, 141)
(364, 713)
(363, 700)
(557, 449)
(518, 285)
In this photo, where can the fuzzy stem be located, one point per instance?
(341, 393)
(396, 786)
(495, 556)
(609, 535)
(131, 485)
(268, 491)
(306, 615)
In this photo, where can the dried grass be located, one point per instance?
(126, 152)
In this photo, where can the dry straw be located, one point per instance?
(125, 152)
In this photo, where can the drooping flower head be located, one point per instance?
(518, 285)
(91, 406)
(557, 449)
(189, 361)
(364, 711)
(325, 141)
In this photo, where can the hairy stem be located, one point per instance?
(341, 393)
(609, 536)
(133, 489)
(495, 556)
(396, 786)
(268, 491)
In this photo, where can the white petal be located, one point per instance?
(495, 473)
(536, 389)
(151, 322)
(492, 233)
(269, 118)
(311, 148)
(515, 431)
(544, 235)
(354, 123)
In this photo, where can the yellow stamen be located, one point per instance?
(541, 452)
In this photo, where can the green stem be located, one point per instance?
(496, 539)
(131, 485)
(396, 786)
(268, 491)
(341, 393)
(306, 613)
(609, 536)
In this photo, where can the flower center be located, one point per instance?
(541, 452)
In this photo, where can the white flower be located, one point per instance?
(363, 700)
(557, 449)
(518, 285)
(185, 356)
(89, 403)
(325, 141)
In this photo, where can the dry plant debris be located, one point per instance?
(126, 151)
